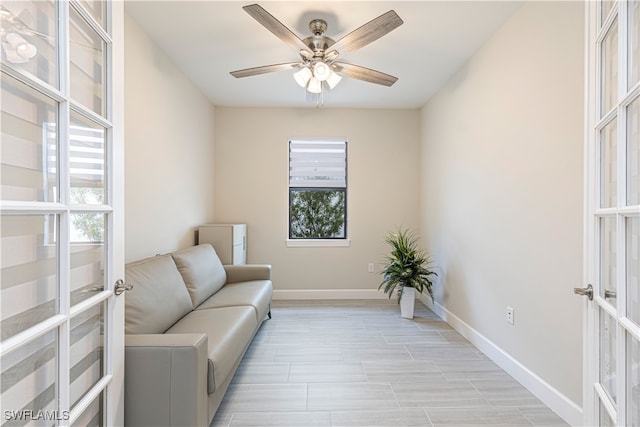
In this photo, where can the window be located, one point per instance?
(317, 189)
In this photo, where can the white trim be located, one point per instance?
(319, 243)
(554, 399)
(590, 177)
(327, 294)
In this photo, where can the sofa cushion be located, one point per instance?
(229, 329)
(201, 270)
(255, 293)
(159, 297)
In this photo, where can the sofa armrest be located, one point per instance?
(166, 380)
(246, 272)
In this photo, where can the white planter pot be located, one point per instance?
(407, 303)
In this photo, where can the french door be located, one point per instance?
(61, 253)
(612, 226)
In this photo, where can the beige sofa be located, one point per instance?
(189, 321)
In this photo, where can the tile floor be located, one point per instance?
(358, 363)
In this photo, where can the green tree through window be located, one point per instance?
(317, 214)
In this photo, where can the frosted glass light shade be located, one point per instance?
(17, 49)
(302, 76)
(314, 86)
(321, 71)
(27, 50)
(333, 79)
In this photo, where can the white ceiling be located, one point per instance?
(208, 39)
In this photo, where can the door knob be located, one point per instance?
(121, 287)
(588, 292)
(610, 294)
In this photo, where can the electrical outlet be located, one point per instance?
(371, 267)
(510, 315)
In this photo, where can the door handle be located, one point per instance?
(610, 294)
(588, 292)
(121, 287)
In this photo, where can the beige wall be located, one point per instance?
(169, 151)
(501, 201)
(251, 172)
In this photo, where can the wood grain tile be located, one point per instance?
(350, 396)
(358, 363)
(477, 417)
(281, 419)
(390, 418)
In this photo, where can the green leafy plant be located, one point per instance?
(317, 214)
(406, 265)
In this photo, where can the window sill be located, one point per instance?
(319, 243)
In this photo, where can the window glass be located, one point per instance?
(29, 146)
(87, 52)
(86, 161)
(29, 259)
(317, 189)
(28, 38)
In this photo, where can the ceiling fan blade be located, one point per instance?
(248, 72)
(276, 27)
(363, 73)
(369, 32)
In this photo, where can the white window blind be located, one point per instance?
(317, 164)
(86, 151)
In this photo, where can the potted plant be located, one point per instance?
(406, 270)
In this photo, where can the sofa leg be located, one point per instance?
(269, 314)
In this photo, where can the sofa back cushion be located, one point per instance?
(159, 297)
(201, 270)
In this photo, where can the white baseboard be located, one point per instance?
(328, 294)
(558, 402)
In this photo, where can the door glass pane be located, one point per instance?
(87, 343)
(93, 415)
(634, 43)
(28, 157)
(608, 256)
(633, 381)
(633, 268)
(608, 354)
(29, 259)
(609, 70)
(605, 9)
(28, 38)
(29, 380)
(633, 153)
(87, 255)
(87, 160)
(605, 419)
(608, 165)
(96, 9)
(87, 52)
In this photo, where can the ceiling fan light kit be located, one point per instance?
(311, 77)
(319, 53)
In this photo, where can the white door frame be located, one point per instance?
(115, 340)
(596, 404)
(105, 395)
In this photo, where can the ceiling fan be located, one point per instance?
(319, 53)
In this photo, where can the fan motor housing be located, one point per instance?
(318, 43)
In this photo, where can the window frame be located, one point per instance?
(344, 241)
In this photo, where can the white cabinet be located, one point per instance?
(229, 241)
